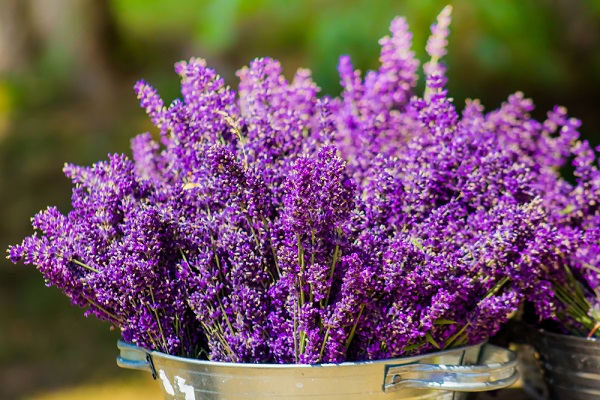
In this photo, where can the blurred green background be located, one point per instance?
(67, 68)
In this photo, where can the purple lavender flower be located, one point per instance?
(436, 48)
(277, 226)
(317, 203)
(571, 207)
(370, 113)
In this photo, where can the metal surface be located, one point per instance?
(531, 377)
(570, 365)
(444, 375)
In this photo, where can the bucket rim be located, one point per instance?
(346, 364)
(563, 336)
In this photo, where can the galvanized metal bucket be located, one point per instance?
(570, 365)
(444, 375)
(531, 377)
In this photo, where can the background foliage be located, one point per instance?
(67, 68)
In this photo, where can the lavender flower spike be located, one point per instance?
(436, 48)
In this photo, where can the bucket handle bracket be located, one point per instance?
(497, 369)
(134, 357)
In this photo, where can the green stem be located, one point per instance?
(353, 331)
(162, 334)
(302, 266)
(577, 305)
(183, 256)
(496, 287)
(266, 225)
(336, 256)
(253, 232)
(450, 341)
(105, 311)
(176, 325)
(258, 248)
(85, 265)
(216, 331)
(213, 333)
(312, 263)
(295, 336)
(152, 340)
(225, 316)
(302, 300)
(216, 256)
(238, 132)
(323, 344)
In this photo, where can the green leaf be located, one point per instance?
(568, 209)
(441, 321)
(417, 243)
(430, 340)
(450, 342)
(413, 346)
(497, 287)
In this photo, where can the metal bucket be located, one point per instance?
(444, 375)
(529, 369)
(570, 365)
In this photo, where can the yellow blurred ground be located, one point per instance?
(148, 389)
(135, 389)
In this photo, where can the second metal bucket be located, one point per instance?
(444, 375)
(570, 365)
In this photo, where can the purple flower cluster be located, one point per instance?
(571, 205)
(273, 225)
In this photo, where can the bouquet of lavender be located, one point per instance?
(275, 226)
(571, 206)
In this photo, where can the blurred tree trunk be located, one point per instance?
(73, 37)
(14, 35)
(69, 39)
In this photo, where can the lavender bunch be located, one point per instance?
(112, 254)
(456, 227)
(553, 146)
(274, 225)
